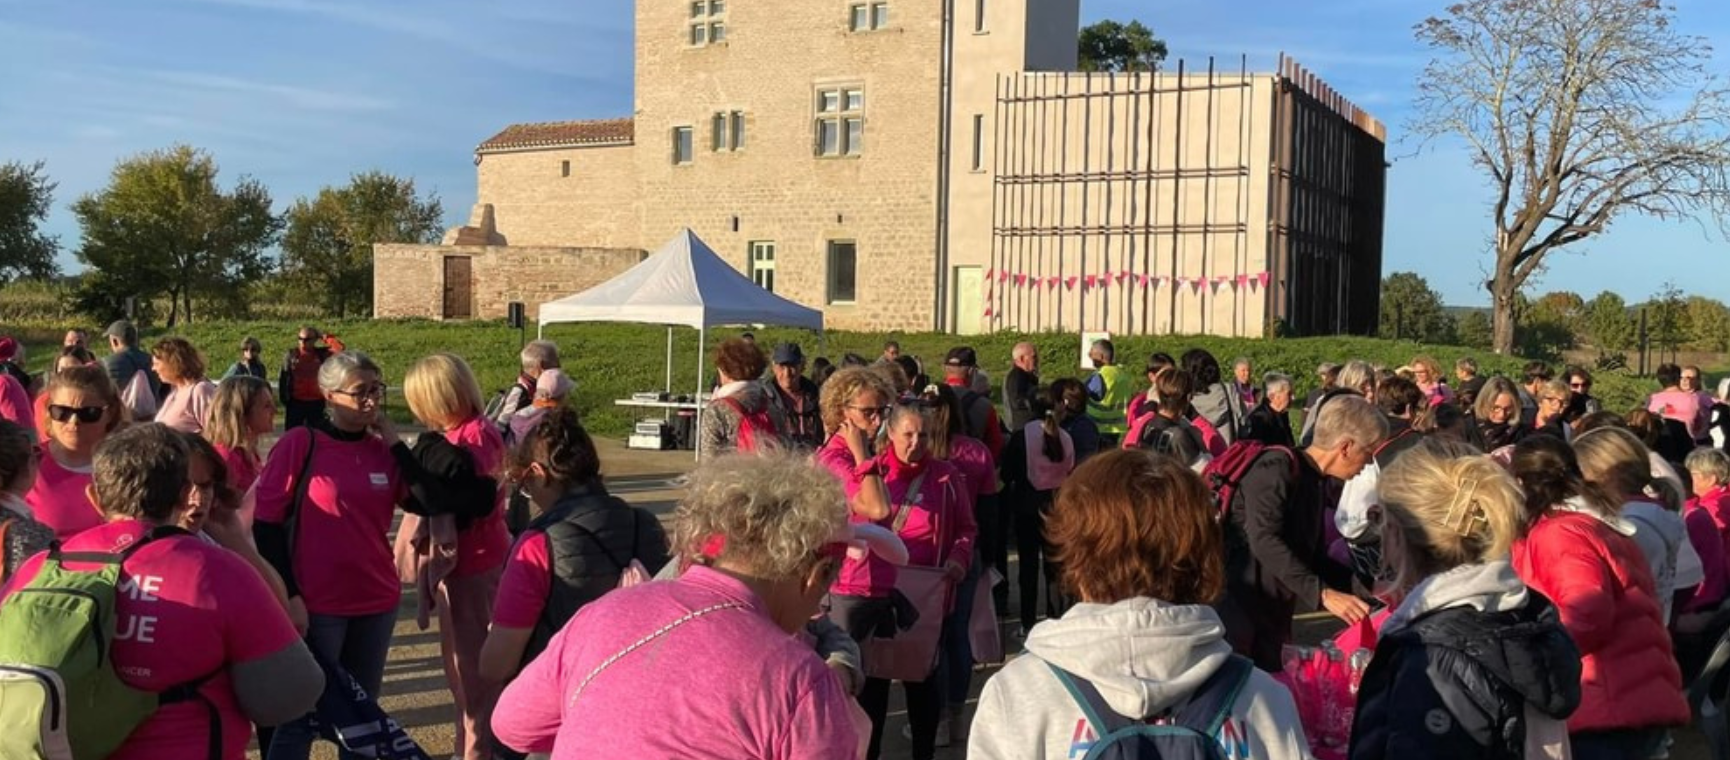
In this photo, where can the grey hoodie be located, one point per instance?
(1143, 656)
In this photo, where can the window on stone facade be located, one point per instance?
(681, 145)
(865, 17)
(727, 131)
(564, 168)
(708, 22)
(840, 121)
(843, 260)
(978, 16)
(978, 142)
(763, 264)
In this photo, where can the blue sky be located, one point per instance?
(302, 93)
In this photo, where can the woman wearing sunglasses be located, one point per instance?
(329, 537)
(20, 534)
(83, 409)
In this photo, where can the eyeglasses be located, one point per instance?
(870, 412)
(85, 414)
(306, 339)
(373, 392)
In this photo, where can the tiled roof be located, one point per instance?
(559, 134)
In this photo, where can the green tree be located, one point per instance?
(1578, 113)
(1474, 330)
(1608, 322)
(163, 227)
(327, 246)
(1708, 323)
(1666, 317)
(1112, 46)
(1410, 309)
(25, 197)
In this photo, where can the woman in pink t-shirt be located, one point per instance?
(243, 411)
(707, 665)
(83, 408)
(462, 542)
(181, 367)
(188, 612)
(335, 554)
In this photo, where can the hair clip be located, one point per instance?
(1464, 512)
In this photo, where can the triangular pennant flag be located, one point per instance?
(1069, 282)
(1141, 280)
(1092, 280)
(1105, 281)
(1261, 277)
(1195, 284)
(1020, 279)
(1003, 277)
(1050, 282)
(1243, 280)
(988, 311)
(990, 273)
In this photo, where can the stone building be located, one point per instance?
(941, 166)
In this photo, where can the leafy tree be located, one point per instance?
(1578, 113)
(25, 197)
(327, 247)
(1474, 330)
(1111, 46)
(163, 227)
(1410, 309)
(1708, 323)
(1608, 322)
(1666, 317)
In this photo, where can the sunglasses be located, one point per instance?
(85, 414)
(306, 339)
(871, 412)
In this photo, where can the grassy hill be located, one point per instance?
(612, 361)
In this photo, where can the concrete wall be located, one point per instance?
(536, 205)
(409, 280)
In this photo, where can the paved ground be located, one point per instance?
(416, 693)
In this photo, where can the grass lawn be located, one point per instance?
(612, 361)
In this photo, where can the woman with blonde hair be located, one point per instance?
(1552, 416)
(243, 411)
(83, 409)
(181, 368)
(1614, 460)
(1581, 555)
(462, 544)
(1498, 414)
(1427, 373)
(1140, 548)
(1467, 641)
(770, 531)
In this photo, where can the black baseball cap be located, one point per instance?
(962, 356)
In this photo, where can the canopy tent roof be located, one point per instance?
(683, 283)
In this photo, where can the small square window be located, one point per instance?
(762, 264)
(717, 32)
(697, 9)
(855, 99)
(699, 35)
(828, 138)
(717, 7)
(880, 15)
(829, 101)
(861, 19)
(843, 263)
(564, 168)
(681, 145)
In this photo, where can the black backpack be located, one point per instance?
(1188, 733)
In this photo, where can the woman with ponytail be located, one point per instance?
(1037, 460)
(1581, 554)
(1467, 641)
(1616, 461)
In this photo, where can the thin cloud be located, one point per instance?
(304, 98)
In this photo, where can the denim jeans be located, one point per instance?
(957, 646)
(361, 645)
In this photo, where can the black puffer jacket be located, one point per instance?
(1456, 682)
(592, 536)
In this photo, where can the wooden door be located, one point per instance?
(459, 287)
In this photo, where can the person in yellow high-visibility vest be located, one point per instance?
(1107, 394)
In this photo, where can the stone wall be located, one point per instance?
(409, 280)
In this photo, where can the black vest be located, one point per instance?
(591, 537)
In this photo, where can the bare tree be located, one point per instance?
(1579, 111)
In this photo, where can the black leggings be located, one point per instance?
(989, 512)
(1031, 507)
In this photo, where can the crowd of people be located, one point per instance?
(1545, 576)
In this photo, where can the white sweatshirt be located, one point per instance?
(1143, 656)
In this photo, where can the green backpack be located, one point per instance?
(60, 698)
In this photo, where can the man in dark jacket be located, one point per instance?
(125, 360)
(1021, 385)
(297, 385)
(793, 399)
(1270, 420)
(1276, 546)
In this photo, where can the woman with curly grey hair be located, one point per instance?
(768, 532)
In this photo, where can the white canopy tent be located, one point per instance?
(682, 284)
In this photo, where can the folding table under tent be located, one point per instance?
(683, 284)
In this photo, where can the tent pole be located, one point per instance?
(697, 422)
(669, 388)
